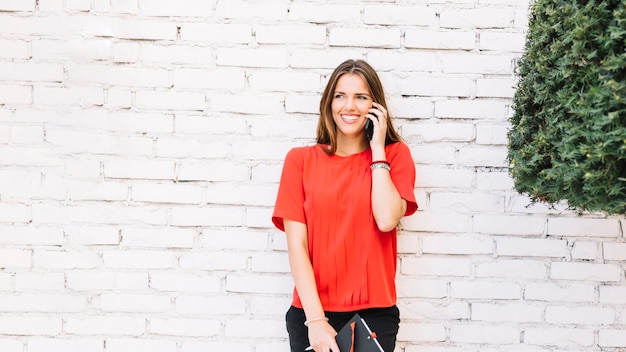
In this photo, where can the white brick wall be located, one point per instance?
(141, 144)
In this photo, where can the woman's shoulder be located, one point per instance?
(305, 152)
(397, 147)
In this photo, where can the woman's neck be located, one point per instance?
(351, 146)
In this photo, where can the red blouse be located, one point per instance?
(353, 261)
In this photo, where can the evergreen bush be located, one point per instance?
(568, 135)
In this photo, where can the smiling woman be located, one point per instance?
(339, 203)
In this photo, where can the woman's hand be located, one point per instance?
(322, 337)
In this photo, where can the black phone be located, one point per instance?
(369, 129)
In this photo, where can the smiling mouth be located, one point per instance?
(350, 118)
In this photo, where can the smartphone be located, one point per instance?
(369, 128)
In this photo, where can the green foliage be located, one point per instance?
(568, 136)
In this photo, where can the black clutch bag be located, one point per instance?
(356, 336)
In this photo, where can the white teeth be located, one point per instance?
(349, 118)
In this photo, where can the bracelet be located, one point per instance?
(306, 323)
(380, 165)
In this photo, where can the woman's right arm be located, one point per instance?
(321, 334)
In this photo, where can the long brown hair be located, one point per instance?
(326, 128)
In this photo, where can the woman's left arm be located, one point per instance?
(387, 205)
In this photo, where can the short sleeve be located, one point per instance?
(290, 198)
(403, 174)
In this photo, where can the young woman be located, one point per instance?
(339, 203)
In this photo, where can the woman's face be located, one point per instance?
(351, 102)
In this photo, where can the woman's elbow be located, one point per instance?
(387, 224)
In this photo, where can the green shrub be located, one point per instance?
(568, 135)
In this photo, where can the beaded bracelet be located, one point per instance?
(381, 164)
(306, 323)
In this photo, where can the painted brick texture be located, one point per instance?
(141, 144)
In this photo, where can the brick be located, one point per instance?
(472, 109)
(125, 53)
(66, 259)
(86, 190)
(190, 8)
(509, 224)
(167, 193)
(583, 227)
(213, 170)
(365, 37)
(237, 9)
(36, 281)
(523, 313)
(465, 244)
(234, 239)
(485, 17)
(60, 344)
(252, 57)
(139, 259)
(237, 328)
(585, 250)
(553, 292)
(77, 50)
(28, 5)
(478, 64)
(435, 266)
(12, 258)
(31, 235)
(197, 346)
(484, 334)
(614, 251)
(105, 325)
(432, 312)
(288, 81)
(438, 39)
(271, 104)
(179, 53)
(492, 135)
(78, 5)
(495, 88)
(99, 213)
(328, 59)
(133, 303)
(93, 235)
(485, 290)
(447, 222)
(572, 337)
(193, 124)
(139, 344)
(170, 100)
(121, 123)
(422, 332)
(129, 28)
(290, 34)
(226, 79)
(258, 217)
(237, 194)
(324, 13)
(185, 282)
(30, 72)
(90, 280)
(531, 247)
(493, 180)
(580, 315)
(261, 305)
(466, 202)
(6, 282)
(214, 261)
(157, 238)
(270, 263)
(210, 306)
(42, 303)
(502, 41)
(513, 269)
(207, 216)
(271, 284)
(439, 132)
(119, 76)
(139, 169)
(30, 325)
(434, 86)
(434, 154)
(400, 15)
(612, 338)
(135, 281)
(585, 272)
(27, 134)
(15, 213)
(185, 327)
(260, 150)
(9, 345)
(612, 295)
(75, 141)
(13, 94)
